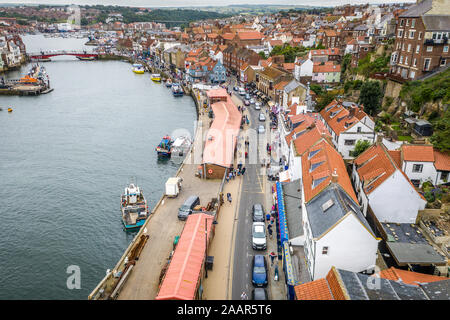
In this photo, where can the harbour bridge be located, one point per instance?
(49, 54)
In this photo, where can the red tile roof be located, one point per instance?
(417, 153)
(374, 166)
(441, 160)
(333, 163)
(326, 68)
(315, 290)
(409, 277)
(339, 118)
(250, 35)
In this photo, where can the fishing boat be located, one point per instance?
(164, 148)
(168, 83)
(138, 68)
(156, 77)
(177, 91)
(86, 58)
(134, 207)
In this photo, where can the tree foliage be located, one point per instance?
(360, 147)
(441, 133)
(287, 51)
(370, 97)
(346, 62)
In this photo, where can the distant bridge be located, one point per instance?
(49, 54)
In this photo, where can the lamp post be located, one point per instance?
(206, 246)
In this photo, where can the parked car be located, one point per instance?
(257, 105)
(188, 206)
(258, 213)
(241, 91)
(261, 129)
(259, 294)
(252, 101)
(262, 117)
(235, 88)
(247, 96)
(259, 271)
(246, 102)
(259, 236)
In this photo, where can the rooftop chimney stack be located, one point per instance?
(334, 176)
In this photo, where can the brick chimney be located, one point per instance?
(334, 176)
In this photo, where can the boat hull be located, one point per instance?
(138, 224)
(139, 71)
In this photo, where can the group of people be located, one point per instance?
(240, 170)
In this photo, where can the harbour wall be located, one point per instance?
(111, 280)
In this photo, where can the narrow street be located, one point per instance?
(255, 189)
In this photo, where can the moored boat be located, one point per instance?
(138, 68)
(86, 58)
(168, 83)
(156, 77)
(134, 207)
(164, 148)
(177, 91)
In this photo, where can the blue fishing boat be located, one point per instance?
(164, 148)
(177, 90)
(134, 207)
(168, 83)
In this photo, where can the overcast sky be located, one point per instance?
(174, 3)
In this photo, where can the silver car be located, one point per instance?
(257, 106)
(259, 236)
(261, 129)
(262, 117)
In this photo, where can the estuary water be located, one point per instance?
(65, 159)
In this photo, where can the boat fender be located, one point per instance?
(210, 171)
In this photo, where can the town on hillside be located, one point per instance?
(356, 181)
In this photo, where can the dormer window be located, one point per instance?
(316, 182)
(314, 166)
(313, 153)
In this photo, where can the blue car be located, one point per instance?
(259, 271)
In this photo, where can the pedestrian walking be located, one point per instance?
(272, 220)
(230, 175)
(244, 296)
(243, 170)
(229, 197)
(269, 228)
(272, 256)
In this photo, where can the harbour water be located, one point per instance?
(65, 159)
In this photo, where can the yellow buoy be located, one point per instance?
(9, 109)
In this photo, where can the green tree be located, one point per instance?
(360, 147)
(346, 62)
(262, 54)
(370, 97)
(441, 133)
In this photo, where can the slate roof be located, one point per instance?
(414, 253)
(437, 290)
(347, 285)
(417, 10)
(320, 221)
(292, 201)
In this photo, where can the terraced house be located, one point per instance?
(421, 43)
(348, 123)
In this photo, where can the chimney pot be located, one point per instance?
(334, 176)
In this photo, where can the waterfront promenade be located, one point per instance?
(143, 282)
